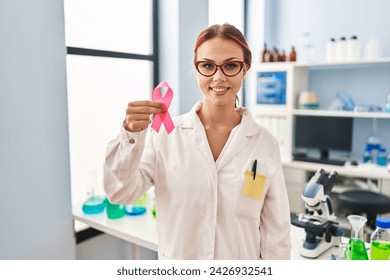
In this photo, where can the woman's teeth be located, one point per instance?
(219, 89)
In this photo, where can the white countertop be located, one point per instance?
(142, 231)
(369, 171)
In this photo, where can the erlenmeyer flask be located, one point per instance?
(114, 211)
(356, 247)
(94, 204)
(139, 207)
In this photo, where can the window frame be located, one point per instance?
(124, 55)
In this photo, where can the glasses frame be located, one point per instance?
(219, 66)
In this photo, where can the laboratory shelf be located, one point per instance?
(322, 64)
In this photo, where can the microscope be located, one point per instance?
(319, 221)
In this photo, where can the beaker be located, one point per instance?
(356, 247)
(114, 211)
(94, 203)
(340, 253)
(139, 207)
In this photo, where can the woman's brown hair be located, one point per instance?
(228, 32)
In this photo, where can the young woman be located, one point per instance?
(220, 190)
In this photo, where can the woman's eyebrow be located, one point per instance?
(227, 59)
(231, 58)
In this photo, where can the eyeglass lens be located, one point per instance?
(229, 68)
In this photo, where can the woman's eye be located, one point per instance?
(230, 66)
(207, 66)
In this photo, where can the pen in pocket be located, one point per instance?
(254, 169)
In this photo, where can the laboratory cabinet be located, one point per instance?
(366, 82)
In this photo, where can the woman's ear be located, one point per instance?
(246, 68)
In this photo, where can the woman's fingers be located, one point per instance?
(146, 106)
(138, 114)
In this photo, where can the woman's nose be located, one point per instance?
(219, 75)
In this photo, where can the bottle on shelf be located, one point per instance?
(380, 240)
(283, 56)
(372, 50)
(382, 157)
(367, 155)
(353, 49)
(341, 49)
(268, 57)
(293, 54)
(307, 46)
(264, 53)
(331, 50)
(374, 143)
(275, 55)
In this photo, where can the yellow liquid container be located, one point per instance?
(380, 240)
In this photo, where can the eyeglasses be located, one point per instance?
(229, 69)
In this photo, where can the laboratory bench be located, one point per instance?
(142, 231)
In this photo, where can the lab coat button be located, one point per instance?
(132, 141)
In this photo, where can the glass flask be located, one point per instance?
(94, 204)
(356, 247)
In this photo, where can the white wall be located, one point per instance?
(180, 24)
(287, 20)
(255, 37)
(35, 203)
(230, 11)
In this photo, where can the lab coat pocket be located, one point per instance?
(251, 196)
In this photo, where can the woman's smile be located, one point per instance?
(219, 90)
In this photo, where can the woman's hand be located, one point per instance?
(138, 114)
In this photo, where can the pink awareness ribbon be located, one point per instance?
(164, 118)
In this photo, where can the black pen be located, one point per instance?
(254, 169)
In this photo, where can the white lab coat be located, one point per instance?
(201, 213)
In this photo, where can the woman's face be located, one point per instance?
(220, 89)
